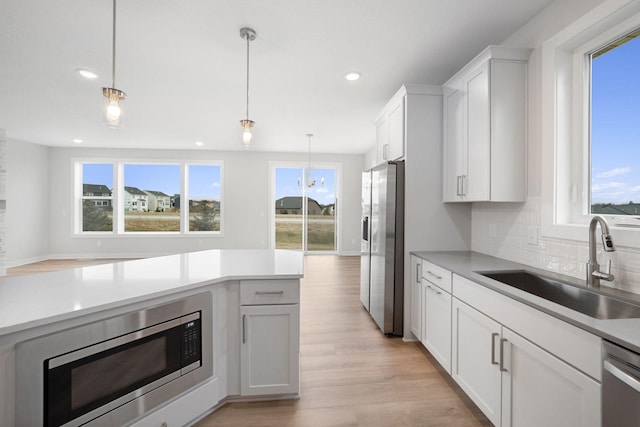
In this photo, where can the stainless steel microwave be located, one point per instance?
(131, 364)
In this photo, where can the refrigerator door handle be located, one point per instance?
(365, 229)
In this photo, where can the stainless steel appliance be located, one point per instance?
(112, 371)
(382, 246)
(620, 386)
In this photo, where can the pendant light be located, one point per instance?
(113, 111)
(249, 35)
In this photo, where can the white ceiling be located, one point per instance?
(182, 65)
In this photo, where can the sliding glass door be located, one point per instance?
(305, 209)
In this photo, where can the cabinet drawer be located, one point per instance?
(264, 292)
(437, 275)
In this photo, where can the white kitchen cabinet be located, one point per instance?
(484, 141)
(382, 140)
(436, 329)
(518, 381)
(270, 337)
(474, 362)
(416, 297)
(539, 389)
(390, 128)
(270, 349)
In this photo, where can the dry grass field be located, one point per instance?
(321, 232)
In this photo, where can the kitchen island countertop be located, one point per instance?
(625, 332)
(35, 300)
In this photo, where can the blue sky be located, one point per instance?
(615, 125)
(204, 180)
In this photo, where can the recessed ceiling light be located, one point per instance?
(87, 74)
(77, 141)
(199, 143)
(352, 76)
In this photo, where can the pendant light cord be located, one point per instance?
(247, 76)
(113, 49)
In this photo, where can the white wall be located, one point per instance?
(246, 201)
(514, 221)
(28, 202)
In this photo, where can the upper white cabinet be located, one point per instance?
(391, 123)
(485, 106)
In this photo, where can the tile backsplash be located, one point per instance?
(512, 231)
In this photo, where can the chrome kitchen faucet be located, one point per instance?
(593, 268)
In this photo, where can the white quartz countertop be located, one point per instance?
(35, 300)
(625, 332)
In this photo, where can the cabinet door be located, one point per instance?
(474, 361)
(396, 131)
(453, 145)
(477, 180)
(539, 389)
(270, 349)
(416, 297)
(437, 323)
(382, 140)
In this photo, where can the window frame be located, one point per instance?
(117, 198)
(565, 118)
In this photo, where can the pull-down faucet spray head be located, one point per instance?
(593, 269)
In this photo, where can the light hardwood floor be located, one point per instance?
(351, 375)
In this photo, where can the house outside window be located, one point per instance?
(118, 197)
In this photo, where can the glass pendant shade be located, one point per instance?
(247, 133)
(113, 110)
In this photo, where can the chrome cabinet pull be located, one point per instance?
(269, 292)
(417, 273)
(434, 275)
(434, 290)
(244, 328)
(462, 180)
(502, 368)
(493, 348)
(458, 186)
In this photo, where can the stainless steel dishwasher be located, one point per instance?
(620, 386)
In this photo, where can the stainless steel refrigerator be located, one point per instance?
(382, 246)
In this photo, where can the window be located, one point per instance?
(116, 197)
(304, 201)
(615, 128)
(146, 187)
(97, 181)
(204, 197)
(584, 123)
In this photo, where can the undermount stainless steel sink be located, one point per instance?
(579, 299)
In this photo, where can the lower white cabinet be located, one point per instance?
(515, 382)
(270, 348)
(436, 329)
(539, 389)
(416, 297)
(475, 366)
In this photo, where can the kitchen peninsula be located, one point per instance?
(249, 325)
